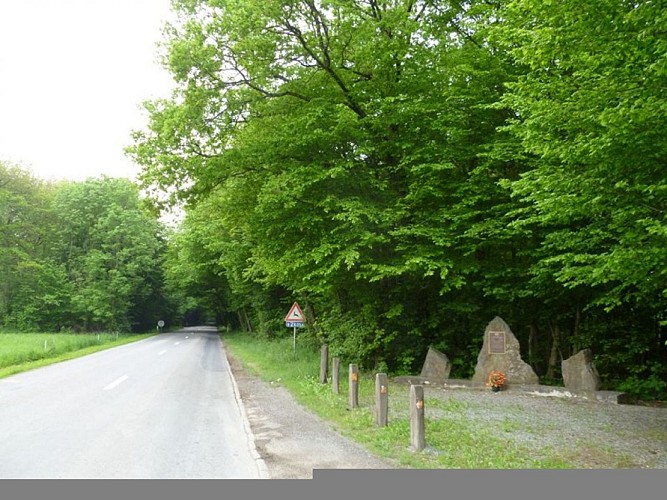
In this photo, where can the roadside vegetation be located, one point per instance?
(405, 169)
(453, 442)
(409, 169)
(78, 256)
(21, 352)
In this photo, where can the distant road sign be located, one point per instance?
(295, 314)
(294, 324)
(160, 323)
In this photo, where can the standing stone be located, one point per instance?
(579, 373)
(501, 351)
(436, 367)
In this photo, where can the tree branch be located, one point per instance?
(326, 66)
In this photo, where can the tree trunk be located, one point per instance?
(532, 339)
(310, 317)
(244, 320)
(555, 348)
(576, 346)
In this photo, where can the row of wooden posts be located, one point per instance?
(417, 429)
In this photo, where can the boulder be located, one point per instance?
(579, 373)
(436, 367)
(501, 351)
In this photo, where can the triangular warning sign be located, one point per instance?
(295, 313)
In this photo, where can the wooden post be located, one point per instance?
(354, 386)
(324, 363)
(381, 400)
(417, 437)
(335, 376)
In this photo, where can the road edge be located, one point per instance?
(261, 464)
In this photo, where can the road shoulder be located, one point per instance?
(291, 440)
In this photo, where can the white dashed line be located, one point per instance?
(116, 383)
(161, 352)
(176, 343)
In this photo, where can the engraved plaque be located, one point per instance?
(496, 342)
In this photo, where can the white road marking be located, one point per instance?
(187, 337)
(161, 352)
(176, 343)
(116, 382)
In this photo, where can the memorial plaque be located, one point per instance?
(496, 342)
(501, 351)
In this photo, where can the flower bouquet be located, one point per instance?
(496, 380)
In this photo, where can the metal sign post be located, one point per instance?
(294, 319)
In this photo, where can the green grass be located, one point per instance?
(453, 441)
(20, 352)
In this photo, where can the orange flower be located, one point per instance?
(496, 379)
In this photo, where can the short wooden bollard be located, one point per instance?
(324, 363)
(335, 375)
(354, 387)
(417, 435)
(381, 400)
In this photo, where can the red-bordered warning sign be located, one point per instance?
(295, 314)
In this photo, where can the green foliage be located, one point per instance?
(592, 113)
(110, 248)
(353, 337)
(82, 256)
(41, 297)
(409, 170)
(651, 388)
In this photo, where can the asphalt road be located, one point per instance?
(165, 407)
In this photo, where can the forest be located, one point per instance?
(78, 256)
(404, 169)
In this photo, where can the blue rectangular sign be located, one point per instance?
(293, 324)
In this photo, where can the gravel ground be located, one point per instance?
(590, 434)
(291, 440)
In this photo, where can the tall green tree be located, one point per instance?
(82, 255)
(590, 111)
(408, 169)
(335, 136)
(31, 284)
(110, 247)
(591, 108)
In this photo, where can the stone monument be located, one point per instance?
(501, 351)
(436, 367)
(580, 375)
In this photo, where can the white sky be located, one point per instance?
(73, 74)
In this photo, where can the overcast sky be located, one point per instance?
(73, 74)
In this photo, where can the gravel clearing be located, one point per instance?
(590, 434)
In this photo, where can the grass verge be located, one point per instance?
(20, 352)
(453, 440)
